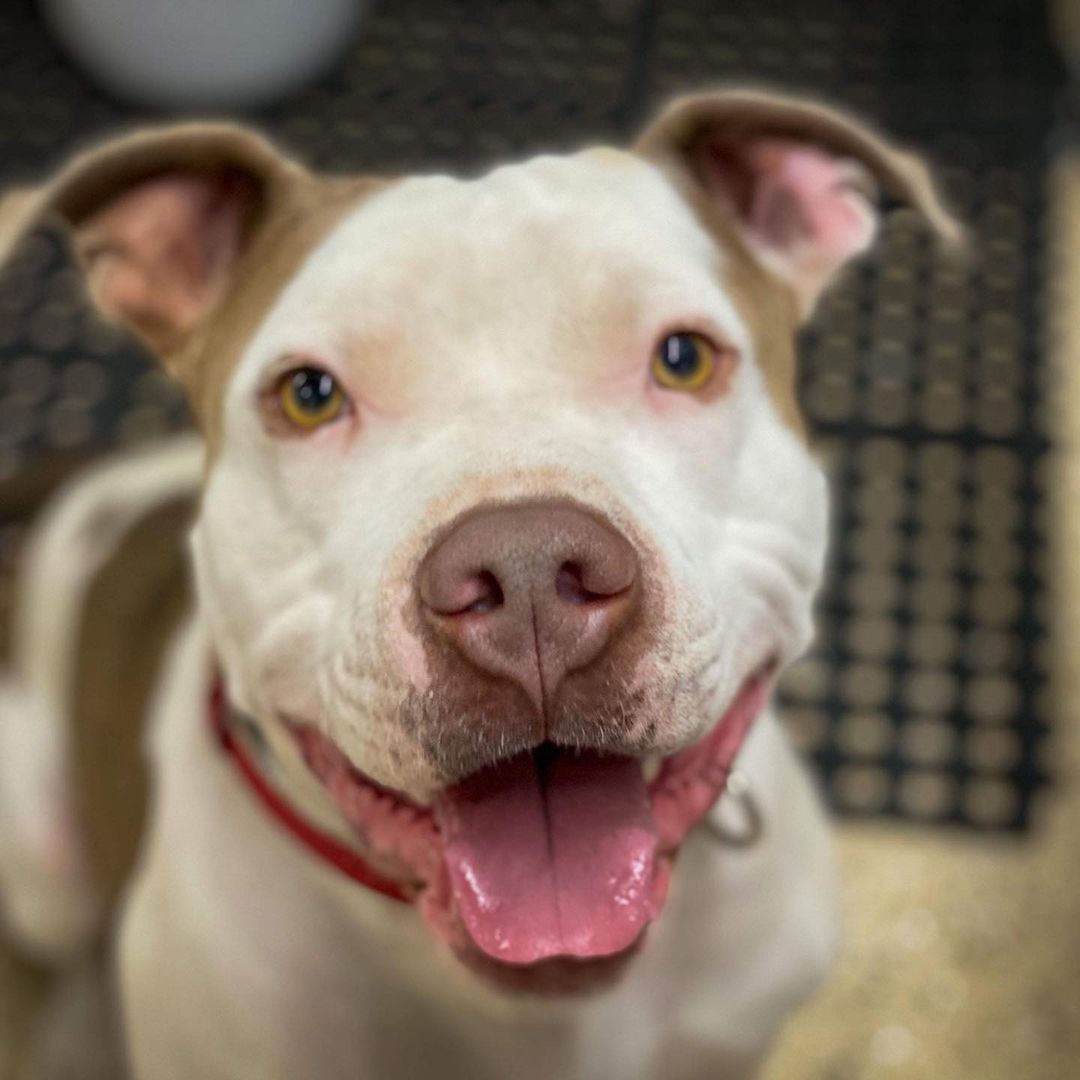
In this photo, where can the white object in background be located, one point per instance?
(203, 54)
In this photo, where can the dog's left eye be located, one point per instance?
(310, 397)
(684, 361)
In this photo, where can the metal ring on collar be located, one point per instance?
(751, 823)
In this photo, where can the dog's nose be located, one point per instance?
(531, 592)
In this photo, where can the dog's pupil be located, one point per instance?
(312, 389)
(680, 353)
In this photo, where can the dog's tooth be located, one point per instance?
(650, 767)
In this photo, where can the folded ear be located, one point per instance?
(798, 181)
(160, 221)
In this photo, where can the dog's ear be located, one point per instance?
(796, 180)
(160, 220)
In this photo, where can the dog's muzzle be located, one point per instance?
(553, 831)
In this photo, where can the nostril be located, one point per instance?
(570, 586)
(489, 594)
(475, 594)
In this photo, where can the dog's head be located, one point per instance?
(509, 519)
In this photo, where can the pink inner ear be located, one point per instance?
(802, 206)
(157, 256)
(804, 195)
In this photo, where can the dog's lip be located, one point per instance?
(402, 839)
(657, 768)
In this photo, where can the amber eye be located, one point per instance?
(684, 361)
(310, 397)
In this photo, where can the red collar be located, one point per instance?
(319, 843)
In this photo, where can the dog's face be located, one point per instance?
(509, 519)
(495, 344)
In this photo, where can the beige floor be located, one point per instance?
(962, 956)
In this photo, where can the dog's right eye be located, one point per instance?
(310, 397)
(684, 361)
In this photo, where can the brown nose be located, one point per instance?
(530, 592)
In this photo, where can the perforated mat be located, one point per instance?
(922, 377)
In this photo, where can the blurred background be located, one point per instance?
(936, 706)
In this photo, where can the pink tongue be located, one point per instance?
(552, 858)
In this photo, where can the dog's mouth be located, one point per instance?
(559, 852)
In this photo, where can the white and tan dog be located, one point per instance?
(506, 523)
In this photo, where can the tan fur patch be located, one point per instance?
(294, 230)
(764, 302)
(131, 609)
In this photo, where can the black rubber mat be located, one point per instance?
(922, 377)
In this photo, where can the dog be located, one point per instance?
(503, 523)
